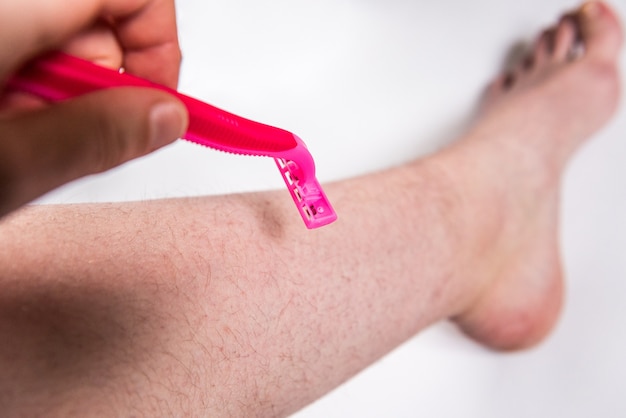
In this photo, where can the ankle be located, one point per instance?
(507, 206)
(472, 205)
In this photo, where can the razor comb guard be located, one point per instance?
(58, 76)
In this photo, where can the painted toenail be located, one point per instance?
(591, 9)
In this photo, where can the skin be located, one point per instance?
(37, 153)
(149, 309)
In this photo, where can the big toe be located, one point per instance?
(601, 30)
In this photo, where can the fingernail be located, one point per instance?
(591, 9)
(168, 122)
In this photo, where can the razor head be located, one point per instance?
(307, 194)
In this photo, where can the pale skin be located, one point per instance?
(150, 309)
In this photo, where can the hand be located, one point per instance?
(43, 146)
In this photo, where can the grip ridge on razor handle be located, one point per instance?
(58, 76)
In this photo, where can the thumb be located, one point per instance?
(46, 148)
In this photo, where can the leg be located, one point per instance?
(225, 306)
(550, 105)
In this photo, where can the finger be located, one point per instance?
(147, 30)
(98, 44)
(44, 149)
(15, 103)
(150, 42)
(29, 27)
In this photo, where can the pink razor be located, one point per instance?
(58, 76)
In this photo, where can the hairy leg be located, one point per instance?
(227, 306)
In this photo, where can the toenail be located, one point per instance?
(591, 9)
(575, 24)
(508, 81)
(528, 63)
(568, 19)
(550, 40)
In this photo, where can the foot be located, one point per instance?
(534, 118)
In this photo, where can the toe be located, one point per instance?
(564, 39)
(600, 30)
(544, 47)
(497, 87)
(528, 63)
(496, 90)
(508, 80)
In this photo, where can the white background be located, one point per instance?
(369, 84)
